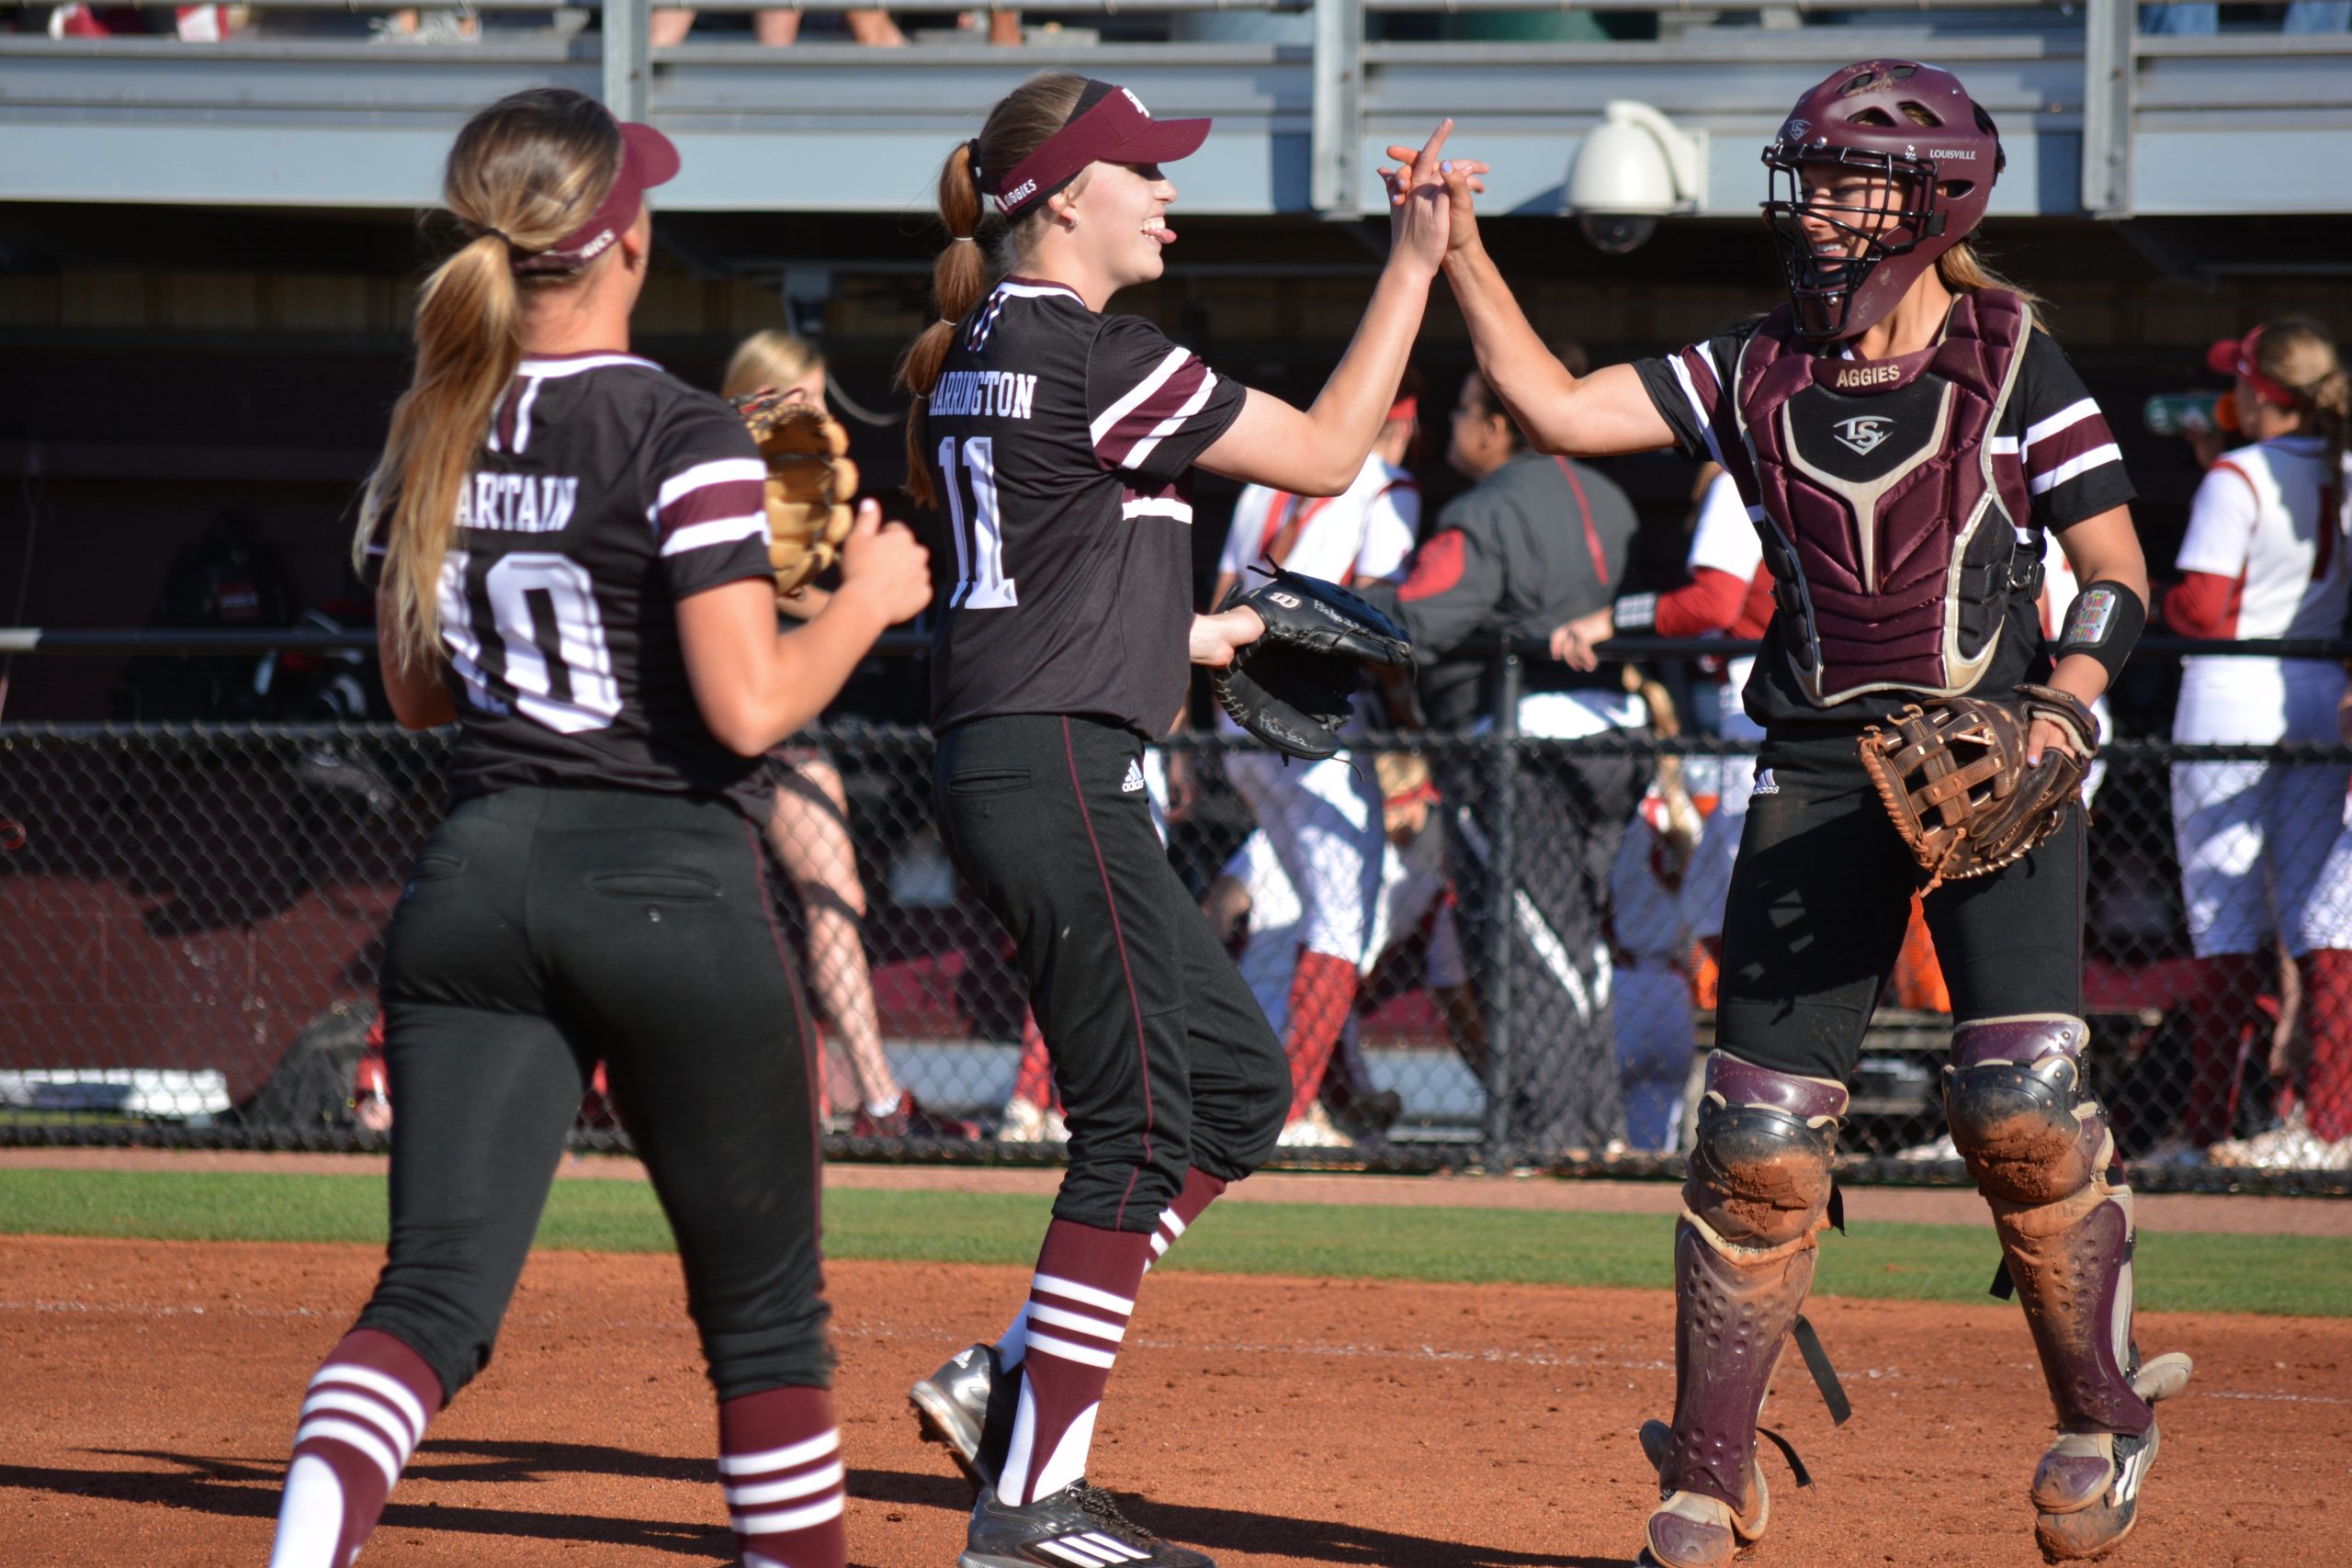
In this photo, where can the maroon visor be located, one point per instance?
(2234, 357)
(1110, 125)
(648, 159)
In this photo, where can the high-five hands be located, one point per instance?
(1424, 177)
(1421, 207)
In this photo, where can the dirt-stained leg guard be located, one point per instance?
(1756, 1198)
(2038, 1147)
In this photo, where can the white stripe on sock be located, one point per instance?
(369, 1411)
(1077, 1321)
(1084, 1355)
(351, 1434)
(1085, 1295)
(792, 1458)
(1158, 1244)
(1175, 1226)
(785, 1491)
(791, 1520)
(394, 1391)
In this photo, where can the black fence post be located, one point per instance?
(1502, 847)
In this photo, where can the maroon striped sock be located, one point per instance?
(362, 1417)
(780, 1462)
(1079, 1300)
(1200, 1190)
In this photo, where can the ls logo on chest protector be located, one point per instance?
(1864, 432)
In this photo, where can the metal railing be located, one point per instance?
(2100, 119)
(191, 918)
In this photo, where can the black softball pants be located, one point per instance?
(546, 929)
(1821, 896)
(1162, 1056)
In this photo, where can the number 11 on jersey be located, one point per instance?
(980, 582)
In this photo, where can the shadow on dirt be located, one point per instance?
(1214, 1530)
(247, 1488)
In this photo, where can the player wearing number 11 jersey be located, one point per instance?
(1055, 443)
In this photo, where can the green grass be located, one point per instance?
(2177, 1272)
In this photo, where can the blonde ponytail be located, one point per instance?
(1963, 268)
(2300, 355)
(524, 173)
(980, 246)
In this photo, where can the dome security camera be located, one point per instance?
(1631, 169)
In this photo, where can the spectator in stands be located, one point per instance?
(2202, 18)
(2266, 557)
(809, 829)
(874, 27)
(1500, 565)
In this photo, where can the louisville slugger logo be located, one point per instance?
(1864, 432)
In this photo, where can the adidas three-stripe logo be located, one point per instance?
(2128, 1474)
(1092, 1549)
(1134, 781)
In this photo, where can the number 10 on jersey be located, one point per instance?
(979, 524)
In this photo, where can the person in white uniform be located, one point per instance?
(1322, 821)
(2264, 557)
(1255, 884)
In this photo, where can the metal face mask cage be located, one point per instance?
(1821, 288)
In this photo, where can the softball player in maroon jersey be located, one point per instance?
(1904, 436)
(1055, 441)
(572, 551)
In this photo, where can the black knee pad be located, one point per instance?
(1760, 1171)
(2014, 1096)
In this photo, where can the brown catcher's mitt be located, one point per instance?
(810, 483)
(1954, 779)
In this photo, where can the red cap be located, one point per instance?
(2234, 357)
(1110, 125)
(648, 159)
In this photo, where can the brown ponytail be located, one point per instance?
(2300, 355)
(524, 173)
(963, 274)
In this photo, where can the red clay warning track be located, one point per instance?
(152, 1389)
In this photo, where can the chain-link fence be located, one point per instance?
(191, 920)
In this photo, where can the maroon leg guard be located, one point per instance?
(2039, 1148)
(1756, 1198)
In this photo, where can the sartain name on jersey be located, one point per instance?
(989, 394)
(518, 503)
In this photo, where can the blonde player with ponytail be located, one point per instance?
(1056, 440)
(571, 556)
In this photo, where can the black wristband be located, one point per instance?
(2104, 621)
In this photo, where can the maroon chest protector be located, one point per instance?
(1890, 537)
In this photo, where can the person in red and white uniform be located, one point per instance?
(1650, 969)
(1322, 821)
(2264, 558)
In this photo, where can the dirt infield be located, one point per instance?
(152, 1387)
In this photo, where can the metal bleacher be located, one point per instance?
(303, 110)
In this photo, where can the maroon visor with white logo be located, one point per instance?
(648, 159)
(1110, 125)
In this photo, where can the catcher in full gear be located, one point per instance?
(1903, 438)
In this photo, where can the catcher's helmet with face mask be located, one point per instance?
(1913, 127)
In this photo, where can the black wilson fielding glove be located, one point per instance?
(1291, 688)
